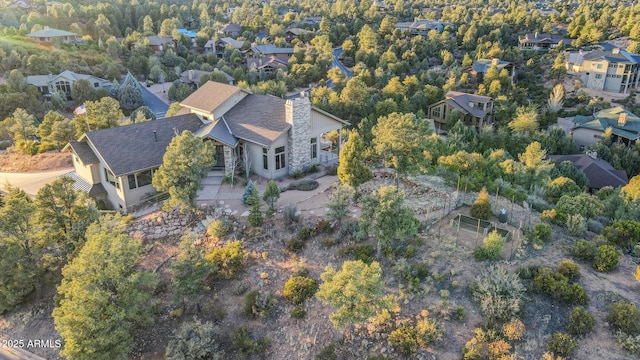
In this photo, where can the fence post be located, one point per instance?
(477, 232)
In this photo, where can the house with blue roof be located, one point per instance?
(624, 127)
(612, 70)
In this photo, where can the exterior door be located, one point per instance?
(219, 156)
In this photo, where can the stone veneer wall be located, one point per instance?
(228, 161)
(298, 114)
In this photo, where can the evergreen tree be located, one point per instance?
(255, 213)
(356, 292)
(181, 172)
(352, 171)
(104, 296)
(270, 196)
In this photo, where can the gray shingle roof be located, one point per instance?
(258, 118)
(599, 172)
(84, 152)
(217, 130)
(131, 148)
(82, 185)
(51, 33)
(461, 101)
(209, 96)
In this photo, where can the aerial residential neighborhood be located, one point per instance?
(320, 180)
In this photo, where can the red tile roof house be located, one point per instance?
(279, 138)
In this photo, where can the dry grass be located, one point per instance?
(12, 161)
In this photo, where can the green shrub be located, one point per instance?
(624, 316)
(491, 247)
(499, 294)
(562, 344)
(194, 340)
(305, 234)
(557, 285)
(306, 185)
(403, 339)
(583, 250)
(228, 259)
(290, 214)
(576, 225)
(299, 288)
(328, 241)
(629, 343)
(323, 227)
(625, 233)
(607, 258)
(295, 245)
(257, 304)
(219, 228)
(298, 312)
(569, 269)
(327, 353)
(242, 343)
(364, 253)
(580, 322)
(541, 232)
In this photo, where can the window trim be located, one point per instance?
(314, 147)
(280, 158)
(265, 158)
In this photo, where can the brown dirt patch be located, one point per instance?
(12, 161)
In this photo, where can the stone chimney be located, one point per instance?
(298, 115)
(191, 75)
(615, 51)
(535, 36)
(622, 119)
(495, 61)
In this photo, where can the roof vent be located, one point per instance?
(155, 135)
(622, 119)
(471, 104)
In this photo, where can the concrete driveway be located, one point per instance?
(30, 182)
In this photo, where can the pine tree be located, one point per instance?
(270, 196)
(255, 213)
(352, 171)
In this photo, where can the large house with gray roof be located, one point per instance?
(476, 110)
(623, 124)
(273, 136)
(50, 35)
(65, 81)
(611, 70)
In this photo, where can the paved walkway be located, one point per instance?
(30, 182)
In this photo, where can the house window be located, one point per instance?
(280, 163)
(140, 179)
(598, 76)
(314, 148)
(63, 86)
(111, 179)
(132, 181)
(265, 159)
(599, 66)
(435, 112)
(96, 85)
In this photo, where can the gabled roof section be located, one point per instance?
(269, 49)
(210, 96)
(140, 146)
(258, 119)
(82, 185)
(49, 32)
(261, 63)
(462, 101)
(483, 65)
(219, 131)
(609, 118)
(84, 152)
(44, 80)
(599, 172)
(237, 44)
(155, 40)
(537, 38)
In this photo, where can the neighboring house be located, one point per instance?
(192, 77)
(599, 172)
(275, 136)
(548, 12)
(267, 65)
(423, 26)
(312, 20)
(64, 81)
(624, 125)
(232, 30)
(49, 35)
(159, 43)
(480, 67)
(541, 42)
(294, 33)
(477, 110)
(612, 70)
(190, 34)
(261, 51)
(220, 46)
